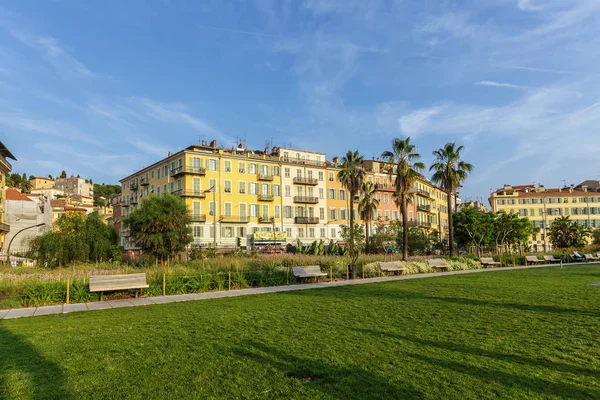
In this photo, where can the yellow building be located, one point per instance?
(5, 169)
(231, 193)
(338, 201)
(581, 203)
(41, 182)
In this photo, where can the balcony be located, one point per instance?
(423, 193)
(125, 203)
(306, 220)
(424, 208)
(188, 170)
(198, 217)
(133, 200)
(144, 182)
(4, 227)
(384, 187)
(306, 199)
(266, 220)
(305, 181)
(133, 186)
(265, 197)
(412, 224)
(190, 193)
(423, 224)
(233, 219)
(265, 177)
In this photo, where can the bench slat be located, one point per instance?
(101, 283)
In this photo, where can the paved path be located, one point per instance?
(100, 305)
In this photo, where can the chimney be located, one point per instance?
(169, 154)
(335, 160)
(213, 143)
(585, 188)
(204, 143)
(266, 149)
(541, 188)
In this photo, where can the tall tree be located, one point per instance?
(565, 233)
(449, 172)
(63, 174)
(352, 176)
(161, 226)
(403, 166)
(367, 207)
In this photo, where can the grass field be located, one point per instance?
(509, 334)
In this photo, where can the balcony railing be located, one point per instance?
(423, 193)
(133, 186)
(265, 197)
(306, 220)
(423, 207)
(4, 227)
(303, 162)
(133, 200)
(424, 224)
(306, 199)
(266, 220)
(299, 180)
(188, 170)
(198, 217)
(265, 177)
(233, 219)
(381, 186)
(190, 193)
(125, 203)
(144, 182)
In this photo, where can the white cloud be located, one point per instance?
(500, 84)
(418, 121)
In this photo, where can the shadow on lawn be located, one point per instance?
(461, 348)
(404, 295)
(24, 368)
(331, 380)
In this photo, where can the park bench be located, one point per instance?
(308, 271)
(489, 262)
(552, 259)
(533, 260)
(589, 257)
(107, 283)
(438, 264)
(392, 267)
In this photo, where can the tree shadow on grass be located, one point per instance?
(461, 348)
(25, 373)
(405, 295)
(331, 380)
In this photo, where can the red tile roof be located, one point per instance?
(14, 194)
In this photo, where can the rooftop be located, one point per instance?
(15, 195)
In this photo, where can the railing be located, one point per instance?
(233, 219)
(306, 220)
(304, 162)
(144, 182)
(4, 227)
(133, 186)
(198, 217)
(190, 193)
(188, 170)
(265, 177)
(125, 203)
(133, 200)
(266, 220)
(422, 207)
(299, 180)
(381, 186)
(265, 197)
(306, 199)
(423, 193)
(424, 224)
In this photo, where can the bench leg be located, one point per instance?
(137, 291)
(101, 296)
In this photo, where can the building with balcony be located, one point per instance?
(543, 205)
(5, 169)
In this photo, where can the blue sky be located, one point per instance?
(102, 89)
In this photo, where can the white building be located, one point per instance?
(23, 212)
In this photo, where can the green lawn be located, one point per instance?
(509, 334)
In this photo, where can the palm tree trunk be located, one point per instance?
(367, 235)
(404, 227)
(450, 222)
(352, 231)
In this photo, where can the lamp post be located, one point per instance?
(212, 189)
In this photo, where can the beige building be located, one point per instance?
(41, 182)
(542, 205)
(75, 185)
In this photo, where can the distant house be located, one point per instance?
(41, 182)
(75, 185)
(23, 212)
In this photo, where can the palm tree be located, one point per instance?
(367, 206)
(450, 172)
(403, 168)
(352, 176)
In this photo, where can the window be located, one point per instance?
(301, 232)
(332, 214)
(276, 190)
(158, 190)
(253, 188)
(254, 210)
(333, 233)
(227, 186)
(323, 232)
(172, 187)
(299, 173)
(387, 215)
(227, 166)
(331, 177)
(265, 211)
(242, 167)
(342, 194)
(395, 215)
(242, 208)
(286, 171)
(297, 156)
(287, 211)
(386, 198)
(212, 184)
(288, 232)
(276, 171)
(343, 213)
(277, 211)
(321, 176)
(212, 165)
(152, 174)
(211, 208)
(158, 173)
(332, 194)
(379, 214)
(309, 174)
(322, 213)
(165, 188)
(228, 209)
(287, 191)
(253, 169)
(311, 232)
(321, 193)
(227, 232)
(196, 185)
(198, 231)
(264, 189)
(241, 232)
(196, 208)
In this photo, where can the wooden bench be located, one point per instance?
(552, 259)
(489, 262)
(308, 271)
(393, 267)
(107, 283)
(533, 260)
(438, 264)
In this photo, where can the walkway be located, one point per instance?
(100, 305)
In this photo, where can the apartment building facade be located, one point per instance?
(5, 169)
(75, 186)
(41, 182)
(543, 205)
